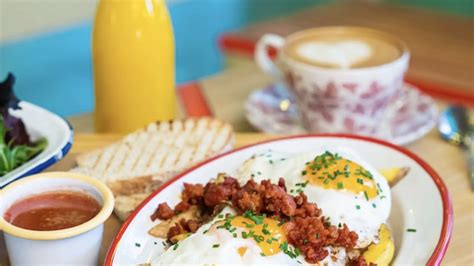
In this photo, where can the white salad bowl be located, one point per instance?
(419, 201)
(41, 123)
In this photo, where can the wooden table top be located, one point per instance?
(441, 44)
(446, 159)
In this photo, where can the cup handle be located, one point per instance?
(263, 59)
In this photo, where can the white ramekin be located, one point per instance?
(77, 245)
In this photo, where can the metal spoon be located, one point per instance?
(455, 127)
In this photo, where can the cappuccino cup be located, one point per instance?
(345, 79)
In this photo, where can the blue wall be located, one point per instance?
(54, 70)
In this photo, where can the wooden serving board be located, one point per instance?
(446, 159)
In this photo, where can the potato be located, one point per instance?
(382, 252)
(394, 175)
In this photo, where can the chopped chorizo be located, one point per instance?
(277, 200)
(182, 207)
(174, 231)
(215, 194)
(360, 261)
(193, 225)
(244, 200)
(193, 193)
(305, 227)
(312, 234)
(163, 212)
(281, 183)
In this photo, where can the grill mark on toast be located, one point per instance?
(137, 150)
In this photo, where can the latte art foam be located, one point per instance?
(343, 54)
(343, 47)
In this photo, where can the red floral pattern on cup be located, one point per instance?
(349, 107)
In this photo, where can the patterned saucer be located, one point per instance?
(273, 110)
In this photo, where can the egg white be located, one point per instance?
(359, 214)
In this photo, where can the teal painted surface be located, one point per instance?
(54, 70)
(459, 7)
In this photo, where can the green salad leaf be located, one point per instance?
(12, 156)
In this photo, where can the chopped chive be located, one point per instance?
(265, 229)
(220, 216)
(291, 252)
(340, 185)
(258, 239)
(358, 207)
(326, 181)
(262, 254)
(317, 235)
(248, 225)
(303, 172)
(411, 230)
(373, 205)
(257, 219)
(234, 235)
(215, 246)
(366, 196)
(378, 186)
(175, 246)
(137, 245)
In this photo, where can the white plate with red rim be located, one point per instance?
(273, 110)
(419, 201)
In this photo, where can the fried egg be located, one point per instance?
(234, 240)
(346, 188)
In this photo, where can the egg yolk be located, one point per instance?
(266, 232)
(242, 251)
(332, 171)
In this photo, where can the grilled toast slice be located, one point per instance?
(143, 160)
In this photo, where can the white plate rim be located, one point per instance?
(447, 224)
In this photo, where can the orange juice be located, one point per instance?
(133, 61)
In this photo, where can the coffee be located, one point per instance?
(343, 47)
